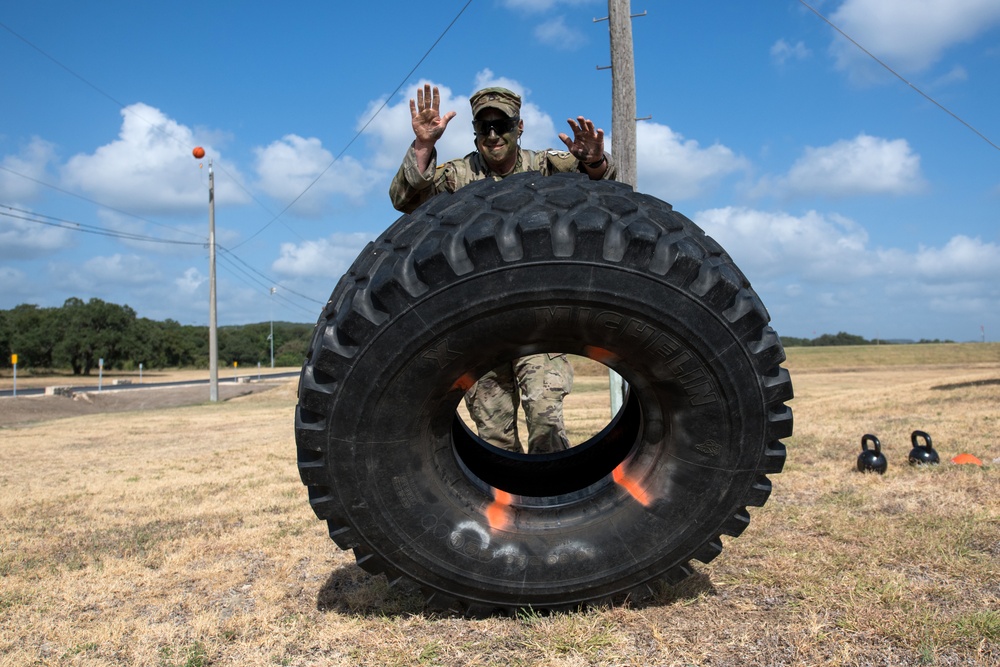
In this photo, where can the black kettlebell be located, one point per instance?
(871, 459)
(921, 454)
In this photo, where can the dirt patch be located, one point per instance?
(31, 409)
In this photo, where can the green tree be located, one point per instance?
(183, 345)
(34, 334)
(291, 343)
(143, 344)
(792, 341)
(5, 348)
(78, 334)
(841, 338)
(94, 330)
(247, 345)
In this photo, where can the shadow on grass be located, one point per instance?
(351, 590)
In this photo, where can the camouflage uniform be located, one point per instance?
(538, 382)
(410, 188)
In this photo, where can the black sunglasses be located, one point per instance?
(500, 126)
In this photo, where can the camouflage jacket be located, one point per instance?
(410, 188)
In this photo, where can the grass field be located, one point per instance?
(183, 537)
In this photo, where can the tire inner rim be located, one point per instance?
(556, 474)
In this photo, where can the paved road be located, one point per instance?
(38, 391)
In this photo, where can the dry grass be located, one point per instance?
(182, 537)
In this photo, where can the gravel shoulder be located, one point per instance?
(24, 410)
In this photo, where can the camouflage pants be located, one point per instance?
(538, 382)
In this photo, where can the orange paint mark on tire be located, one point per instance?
(600, 354)
(631, 485)
(464, 383)
(498, 513)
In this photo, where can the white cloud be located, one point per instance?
(782, 51)
(556, 33)
(819, 272)
(864, 165)
(539, 6)
(105, 277)
(674, 168)
(121, 269)
(190, 281)
(811, 246)
(909, 36)
(327, 258)
(961, 259)
(149, 168)
(28, 167)
(288, 169)
(834, 249)
(14, 281)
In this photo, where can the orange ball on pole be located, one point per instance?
(198, 152)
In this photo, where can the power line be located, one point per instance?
(97, 203)
(99, 231)
(232, 256)
(235, 270)
(221, 167)
(365, 126)
(69, 225)
(31, 216)
(132, 112)
(71, 72)
(270, 280)
(900, 77)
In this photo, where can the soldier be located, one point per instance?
(540, 381)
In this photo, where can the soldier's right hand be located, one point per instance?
(425, 114)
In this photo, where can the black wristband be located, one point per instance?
(597, 163)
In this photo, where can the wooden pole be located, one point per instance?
(622, 90)
(213, 336)
(622, 125)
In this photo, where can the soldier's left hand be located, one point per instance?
(587, 144)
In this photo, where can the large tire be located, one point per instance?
(526, 265)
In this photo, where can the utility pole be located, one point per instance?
(271, 337)
(622, 90)
(213, 329)
(623, 121)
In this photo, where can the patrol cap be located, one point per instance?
(502, 99)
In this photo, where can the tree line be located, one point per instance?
(843, 338)
(78, 335)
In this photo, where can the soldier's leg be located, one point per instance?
(544, 380)
(492, 403)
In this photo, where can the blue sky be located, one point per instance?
(851, 201)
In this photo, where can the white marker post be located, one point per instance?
(100, 373)
(13, 361)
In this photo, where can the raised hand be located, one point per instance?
(587, 144)
(425, 114)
